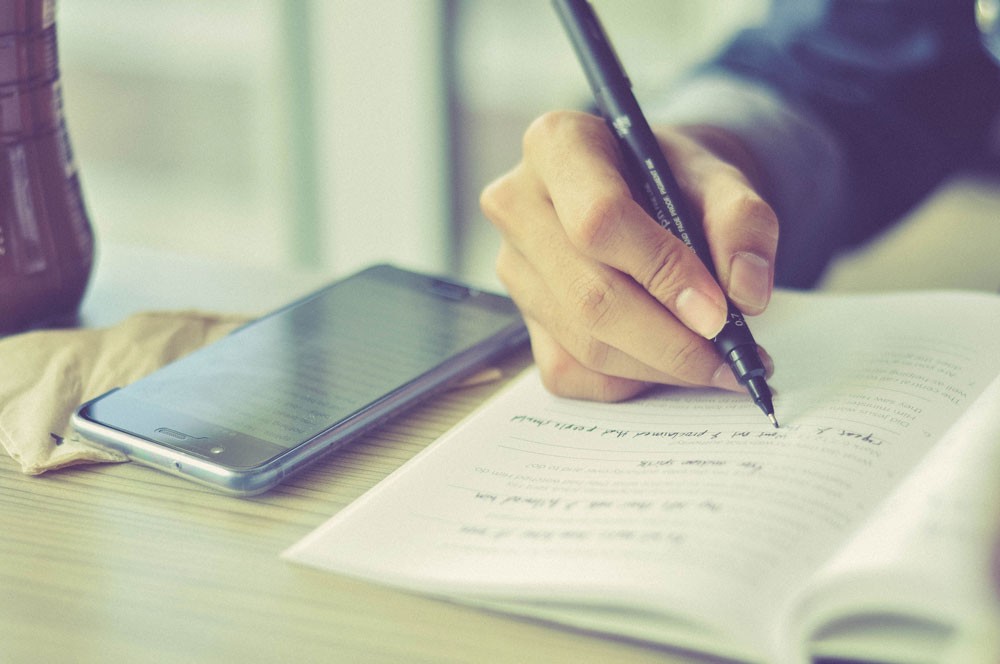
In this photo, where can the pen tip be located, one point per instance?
(774, 420)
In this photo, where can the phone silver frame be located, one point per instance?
(255, 480)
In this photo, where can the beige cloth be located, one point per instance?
(45, 375)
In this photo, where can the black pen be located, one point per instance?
(649, 172)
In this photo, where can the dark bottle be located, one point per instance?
(46, 242)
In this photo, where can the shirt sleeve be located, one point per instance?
(855, 111)
(801, 160)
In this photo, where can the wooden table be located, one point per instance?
(120, 563)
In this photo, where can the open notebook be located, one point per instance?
(863, 527)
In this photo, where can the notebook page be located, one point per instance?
(928, 553)
(683, 502)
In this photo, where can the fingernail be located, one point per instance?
(750, 282)
(700, 312)
(725, 379)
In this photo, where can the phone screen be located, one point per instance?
(288, 377)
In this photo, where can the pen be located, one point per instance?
(649, 172)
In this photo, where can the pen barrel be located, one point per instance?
(737, 346)
(651, 181)
(661, 197)
(650, 176)
(593, 49)
(646, 165)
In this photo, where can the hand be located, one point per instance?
(614, 302)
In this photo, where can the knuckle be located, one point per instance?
(599, 222)
(663, 279)
(558, 374)
(561, 132)
(504, 267)
(688, 360)
(609, 389)
(592, 354)
(749, 206)
(550, 126)
(593, 298)
(564, 378)
(494, 201)
(724, 170)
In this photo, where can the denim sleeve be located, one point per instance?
(856, 110)
(801, 160)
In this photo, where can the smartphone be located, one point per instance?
(247, 411)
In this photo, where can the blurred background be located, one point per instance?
(329, 134)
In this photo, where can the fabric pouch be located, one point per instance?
(45, 375)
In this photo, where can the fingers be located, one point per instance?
(607, 225)
(602, 318)
(562, 374)
(741, 228)
(614, 302)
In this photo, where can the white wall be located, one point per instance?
(274, 132)
(178, 114)
(314, 132)
(382, 132)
